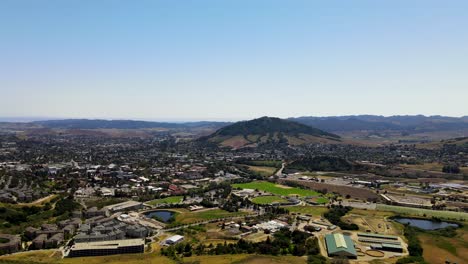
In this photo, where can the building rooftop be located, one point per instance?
(111, 244)
(175, 238)
(122, 206)
(377, 236)
(337, 243)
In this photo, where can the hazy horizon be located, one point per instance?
(26, 119)
(217, 60)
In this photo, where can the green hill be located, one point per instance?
(269, 130)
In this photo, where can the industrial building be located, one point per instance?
(125, 206)
(173, 240)
(339, 245)
(381, 242)
(102, 248)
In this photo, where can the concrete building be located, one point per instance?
(11, 244)
(125, 206)
(93, 212)
(381, 242)
(339, 245)
(103, 248)
(39, 241)
(54, 241)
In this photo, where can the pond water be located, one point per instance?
(424, 224)
(162, 215)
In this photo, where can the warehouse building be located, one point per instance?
(173, 240)
(102, 248)
(381, 242)
(339, 245)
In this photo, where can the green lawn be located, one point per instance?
(276, 188)
(268, 199)
(423, 212)
(167, 200)
(184, 216)
(312, 210)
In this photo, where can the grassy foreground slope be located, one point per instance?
(437, 249)
(48, 256)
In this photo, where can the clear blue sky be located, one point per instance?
(187, 60)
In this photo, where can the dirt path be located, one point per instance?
(39, 201)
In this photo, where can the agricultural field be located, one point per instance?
(353, 192)
(437, 167)
(268, 200)
(184, 216)
(276, 189)
(425, 166)
(262, 170)
(449, 215)
(312, 210)
(319, 200)
(167, 200)
(263, 163)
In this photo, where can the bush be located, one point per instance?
(414, 247)
(411, 259)
(316, 259)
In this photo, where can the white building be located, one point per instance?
(173, 240)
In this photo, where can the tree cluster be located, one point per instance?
(284, 242)
(334, 216)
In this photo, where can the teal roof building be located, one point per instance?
(339, 245)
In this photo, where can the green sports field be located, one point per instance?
(276, 189)
(167, 200)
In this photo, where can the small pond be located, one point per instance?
(424, 223)
(162, 215)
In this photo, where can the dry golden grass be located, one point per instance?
(246, 259)
(48, 256)
(438, 249)
(425, 166)
(263, 170)
(235, 142)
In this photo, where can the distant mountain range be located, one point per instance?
(409, 124)
(122, 124)
(341, 125)
(268, 130)
(414, 123)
